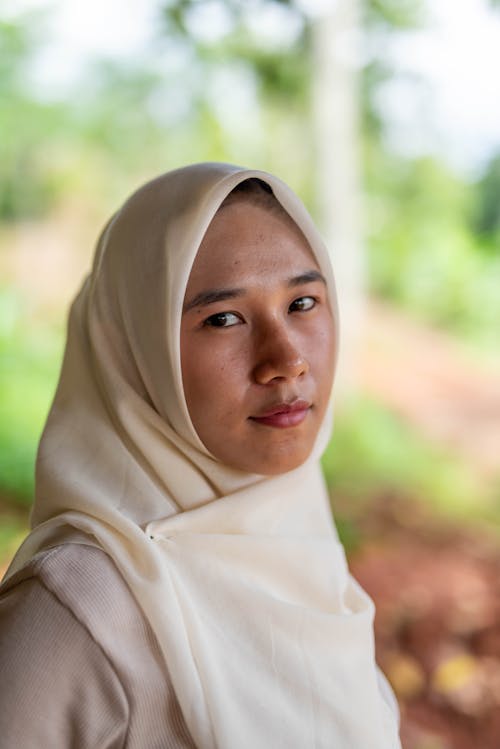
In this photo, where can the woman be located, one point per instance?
(183, 585)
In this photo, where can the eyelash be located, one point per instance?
(211, 321)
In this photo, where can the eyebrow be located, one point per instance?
(211, 296)
(310, 276)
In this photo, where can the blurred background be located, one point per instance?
(384, 115)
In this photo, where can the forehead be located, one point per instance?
(245, 240)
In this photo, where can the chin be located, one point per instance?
(268, 454)
(274, 465)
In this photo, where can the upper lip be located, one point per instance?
(297, 404)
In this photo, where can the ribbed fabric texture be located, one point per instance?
(80, 665)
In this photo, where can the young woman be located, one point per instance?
(183, 584)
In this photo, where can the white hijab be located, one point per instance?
(267, 638)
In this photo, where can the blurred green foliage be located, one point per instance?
(375, 454)
(486, 207)
(29, 354)
(29, 128)
(424, 252)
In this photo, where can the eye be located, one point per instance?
(222, 320)
(302, 304)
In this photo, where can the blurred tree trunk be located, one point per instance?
(336, 115)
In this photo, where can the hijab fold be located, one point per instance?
(267, 638)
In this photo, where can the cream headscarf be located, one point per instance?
(267, 639)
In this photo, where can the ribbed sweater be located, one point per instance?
(80, 666)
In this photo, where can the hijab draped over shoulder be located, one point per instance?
(267, 639)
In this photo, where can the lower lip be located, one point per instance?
(283, 420)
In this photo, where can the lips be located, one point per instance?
(284, 415)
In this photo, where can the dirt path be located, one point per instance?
(434, 383)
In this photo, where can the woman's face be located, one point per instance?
(257, 341)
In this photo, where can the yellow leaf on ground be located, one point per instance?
(406, 675)
(454, 673)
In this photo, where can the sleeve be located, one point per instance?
(58, 689)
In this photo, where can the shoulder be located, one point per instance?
(80, 580)
(71, 606)
(81, 565)
(48, 658)
(83, 579)
(69, 591)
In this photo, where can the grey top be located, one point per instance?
(80, 665)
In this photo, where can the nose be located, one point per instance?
(278, 357)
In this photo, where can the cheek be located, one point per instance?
(212, 373)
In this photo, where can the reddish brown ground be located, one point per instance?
(437, 627)
(437, 588)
